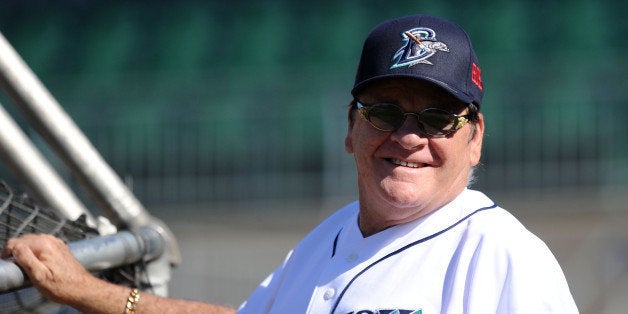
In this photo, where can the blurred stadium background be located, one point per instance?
(228, 119)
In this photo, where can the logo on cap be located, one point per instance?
(418, 45)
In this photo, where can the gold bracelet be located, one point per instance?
(131, 302)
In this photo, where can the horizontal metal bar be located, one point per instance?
(96, 254)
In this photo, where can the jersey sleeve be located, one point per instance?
(513, 271)
(535, 282)
(262, 298)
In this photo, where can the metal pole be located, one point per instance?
(38, 175)
(107, 189)
(96, 254)
(65, 138)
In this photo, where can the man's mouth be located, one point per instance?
(406, 164)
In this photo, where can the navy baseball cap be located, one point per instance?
(422, 47)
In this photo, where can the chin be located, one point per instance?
(413, 199)
(405, 194)
(405, 205)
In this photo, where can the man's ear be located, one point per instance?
(475, 144)
(348, 142)
(350, 121)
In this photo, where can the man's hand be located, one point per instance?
(50, 265)
(59, 277)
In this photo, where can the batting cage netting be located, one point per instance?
(20, 215)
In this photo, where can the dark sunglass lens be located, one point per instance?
(386, 117)
(437, 122)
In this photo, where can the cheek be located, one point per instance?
(363, 139)
(453, 155)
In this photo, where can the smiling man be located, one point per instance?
(417, 240)
(404, 170)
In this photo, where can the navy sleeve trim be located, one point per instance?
(333, 250)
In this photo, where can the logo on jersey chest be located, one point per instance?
(395, 311)
(418, 45)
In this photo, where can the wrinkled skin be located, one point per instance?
(40, 257)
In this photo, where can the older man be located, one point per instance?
(416, 241)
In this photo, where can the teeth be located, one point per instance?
(406, 164)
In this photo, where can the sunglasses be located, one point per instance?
(432, 121)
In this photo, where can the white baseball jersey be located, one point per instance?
(470, 256)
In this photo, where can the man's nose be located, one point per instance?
(410, 134)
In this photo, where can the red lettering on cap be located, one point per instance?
(476, 75)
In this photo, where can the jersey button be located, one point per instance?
(352, 257)
(329, 293)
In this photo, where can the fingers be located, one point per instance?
(38, 244)
(49, 264)
(30, 251)
(42, 256)
(32, 266)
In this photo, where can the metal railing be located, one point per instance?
(137, 235)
